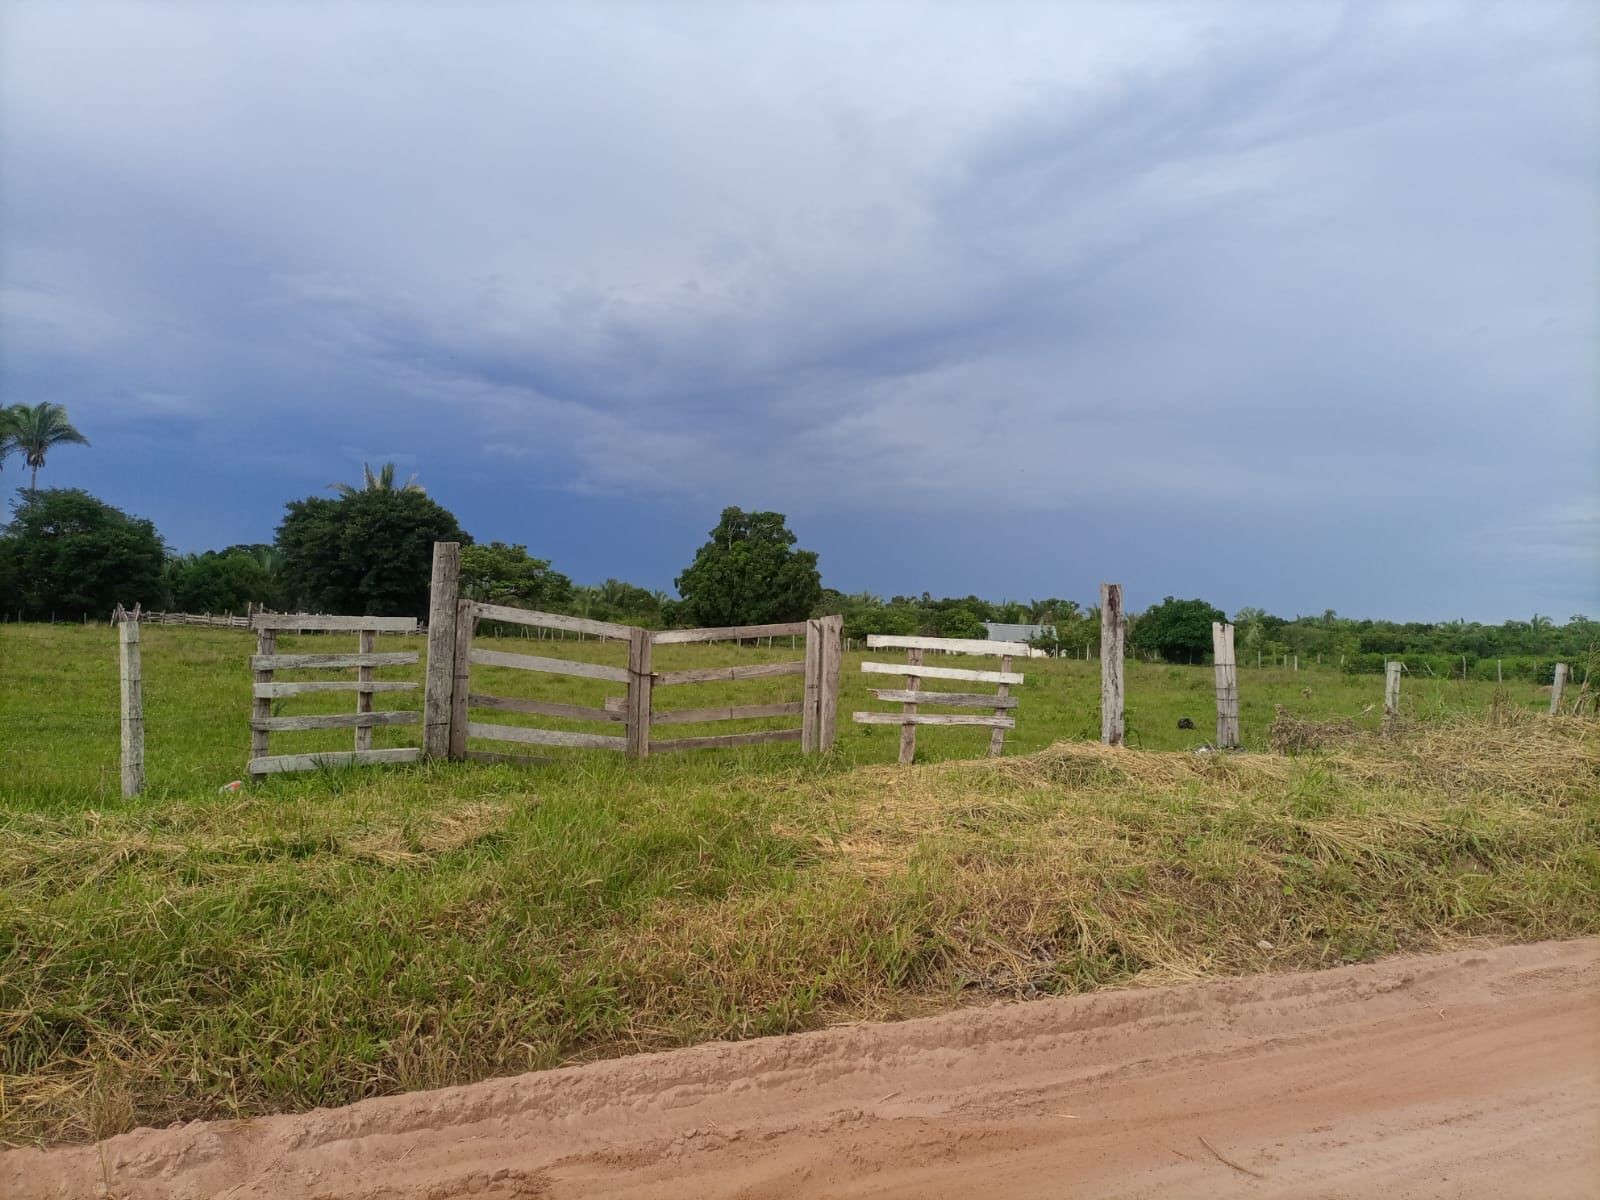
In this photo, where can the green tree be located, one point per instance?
(368, 553)
(960, 622)
(35, 431)
(749, 573)
(219, 581)
(1177, 630)
(68, 554)
(498, 573)
(1249, 624)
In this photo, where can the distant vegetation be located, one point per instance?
(367, 547)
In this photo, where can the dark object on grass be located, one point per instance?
(1185, 723)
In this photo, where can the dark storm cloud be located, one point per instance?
(1319, 275)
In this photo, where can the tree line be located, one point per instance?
(367, 549)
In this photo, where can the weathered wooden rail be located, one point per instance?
(451, 698)
(266, 662)
(911, 696)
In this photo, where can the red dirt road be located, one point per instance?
(1472, 1074)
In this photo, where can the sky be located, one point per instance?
(1290, 305)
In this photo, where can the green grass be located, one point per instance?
(321, 938)
(58, 706)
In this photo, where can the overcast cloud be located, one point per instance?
(1291, 305)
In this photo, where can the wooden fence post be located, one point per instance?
(640, 689)
(1557, 686)
(261, 706)
(832, 677)
(811, 702)
(465, 624)
(1227, 686)
(443, 592)
(368, 639)
(1113, 627)
(997, 737)
(132, 709)
(1391, 695)
(908, 733)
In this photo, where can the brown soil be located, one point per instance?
(1467, 1074)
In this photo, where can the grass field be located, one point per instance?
(58, 706)
(316, 939)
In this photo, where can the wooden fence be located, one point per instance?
(267, 662)
(817, 709)
(449, 699)
(1001, 702)
(463, 699)
(208, 620)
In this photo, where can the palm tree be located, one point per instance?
(34, 431)
(1251, 624)
(383, 481)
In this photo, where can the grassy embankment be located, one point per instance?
(343, 934)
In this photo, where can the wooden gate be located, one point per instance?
(817, 708)
(450, 698)
(1000, 702)
(267, 662)
(463, 699)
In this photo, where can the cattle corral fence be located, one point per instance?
(451, 698)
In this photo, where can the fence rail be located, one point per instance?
(139, 616)
(265, 689)
(450, 697)
(911, 697)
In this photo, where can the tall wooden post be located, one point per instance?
(465, 625)
(1557, 686)
(1113, 628)
(1227, 686)
(640, 689)
(832, 678)
(132, 709)
(443, 592)
(1391, 695)
(811, 696)
(369, 644)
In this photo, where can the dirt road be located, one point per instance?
(1469, 1074)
